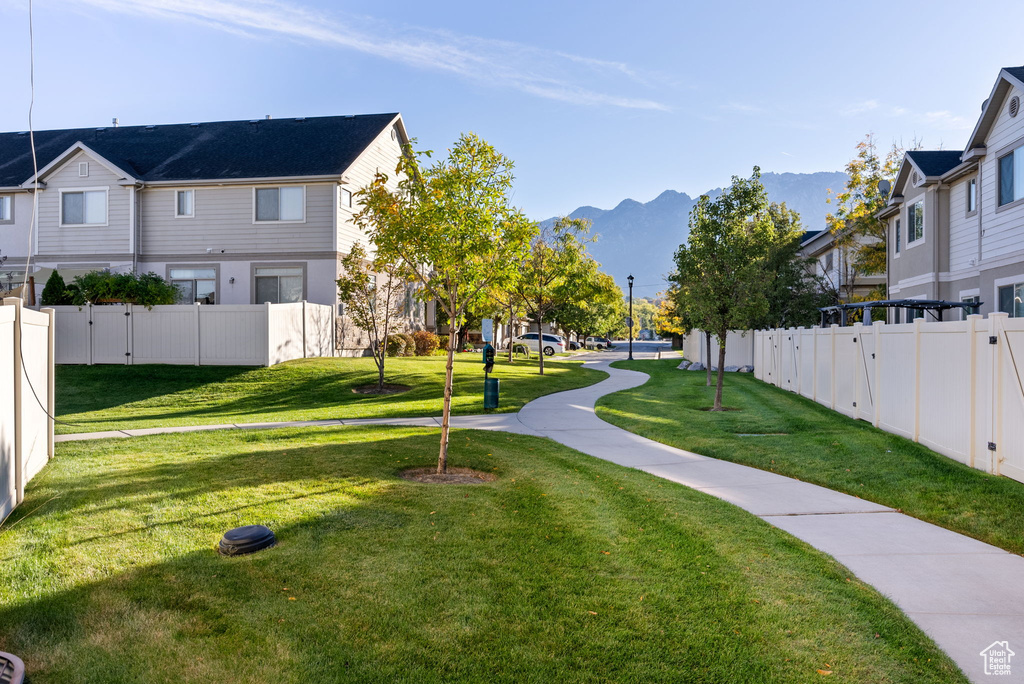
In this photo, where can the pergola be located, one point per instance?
(837, 313)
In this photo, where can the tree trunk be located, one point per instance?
(511, 332)
(707, 342)
(442, 459)
(540, 340)
(721, 373)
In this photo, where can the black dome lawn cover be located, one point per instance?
(242, 540)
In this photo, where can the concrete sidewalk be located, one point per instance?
(963, 593)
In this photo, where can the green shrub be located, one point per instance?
(410, 345)
(396, 345)
(442, 342)
(426, 342)
(148, 289)
(56, 291)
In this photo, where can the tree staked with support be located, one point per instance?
(723, 267)
(453, 224)
(374, 295)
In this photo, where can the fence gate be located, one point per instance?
(111, 334)
(866, 374)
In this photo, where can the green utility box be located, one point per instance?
(491, 393)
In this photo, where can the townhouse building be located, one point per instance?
(955, 218)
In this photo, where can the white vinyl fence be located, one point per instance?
(739, 348)
(26, 373)
(956, 387)
(200, 335)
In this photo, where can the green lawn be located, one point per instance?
(819, 446)
(121, 397)
(565, 569)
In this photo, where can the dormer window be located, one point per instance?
(83, 207)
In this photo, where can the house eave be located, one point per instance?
(330, 178)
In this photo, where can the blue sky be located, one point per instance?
(596, 101)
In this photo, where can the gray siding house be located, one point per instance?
(233, 212)
(956, 218)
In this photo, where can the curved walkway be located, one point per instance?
(964, 593)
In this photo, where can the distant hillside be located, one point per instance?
(641, 238)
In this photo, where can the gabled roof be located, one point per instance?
(1008, 77)
(261, 148)
(934, 162)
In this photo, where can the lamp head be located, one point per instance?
(630, 279)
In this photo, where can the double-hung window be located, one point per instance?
(195, 285)
(915, 221)
(973, 300)
(83, 208)
(279, 285)
(1011, 176)
(184, 203)
(280, 204)
(6, 208)
(1011, 299)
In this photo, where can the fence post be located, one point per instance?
(832, 366)
(51, 339)
(918, 322)
(129, 335)
(995, 327)
(876, 330)
(266, 332)
(19, 470)
(972, 371)
(303, 328)
(91, 326)
(198, 335)
(814, 371)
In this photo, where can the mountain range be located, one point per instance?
(641, 238)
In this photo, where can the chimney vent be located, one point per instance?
(114, 121)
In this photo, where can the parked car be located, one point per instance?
(553, 344)
(598, 343)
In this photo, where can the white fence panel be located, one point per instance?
(35, 391)
(26, 398)
(8, 464)
(165, 334)
(866, 340)
(897, 379)
(319, 330)
(73, 342)
(286, 332)
(945, 391)
(805, 353)
(1009, 432)
(787, 360)
(823, 366)
(233, 335)
(845, 366)
(110, 333)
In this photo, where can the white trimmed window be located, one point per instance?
(346, 198)
(184, 203)
(1011, 176)
(972, 195)
(280, 204)
(83, 208)
(898, 236)
(915, 221)
(7, 208)
(279, 285)
(1011, 299)
(195, 285)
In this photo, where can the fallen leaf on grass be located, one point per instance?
(291, 598)
(592, 612)
(607, 553)
(824, 672)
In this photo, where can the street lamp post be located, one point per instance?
(630, 279)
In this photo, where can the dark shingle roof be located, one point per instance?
(1017, 72)
(935, 162)
(809, 235)
(315, 146)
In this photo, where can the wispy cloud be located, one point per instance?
(549, 74)
(940, 120)
(742, 108)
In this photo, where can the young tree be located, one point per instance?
(549, 271)
(858, 233)
(374, 295)
(723, 263)
(454, 226)
(793, 297)
(594, 298)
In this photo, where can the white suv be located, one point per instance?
(553, 344)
